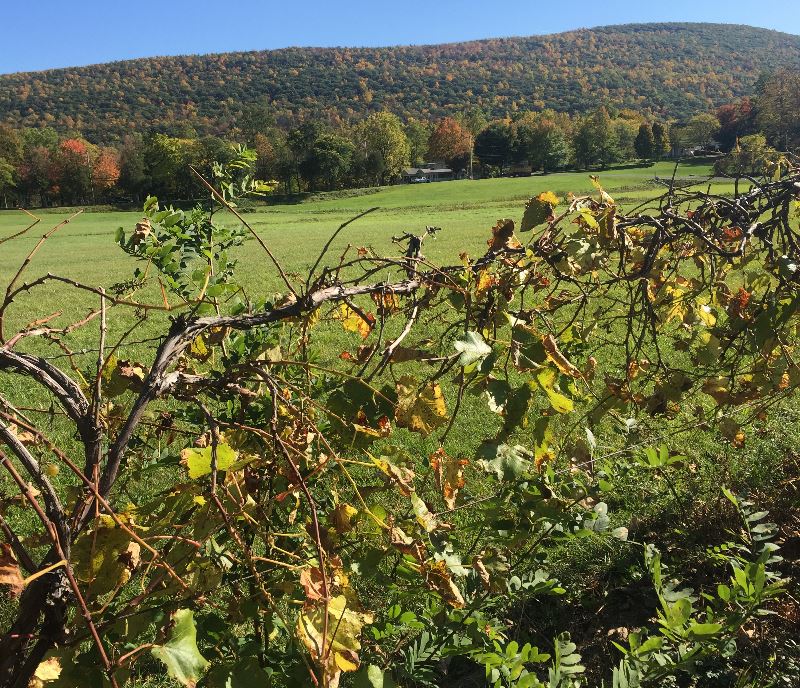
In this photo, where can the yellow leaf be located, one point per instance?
(486, 281)
(353, 322)
(341, 517)
(48, 670)
(198, 461)
(677, 308)
(344, 663)
(706, 316)
(343, 637)
(103, 557)
(422, 410)
(198, 349)
(547, 381)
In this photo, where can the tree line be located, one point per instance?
(40, 167)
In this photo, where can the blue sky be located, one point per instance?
(40, 34)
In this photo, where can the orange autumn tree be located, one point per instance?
(105, 170)
(449, 141)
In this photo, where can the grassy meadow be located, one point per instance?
(466, 210)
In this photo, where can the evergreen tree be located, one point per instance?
(494, 146)
(645, 142)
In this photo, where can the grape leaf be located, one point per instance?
(472, 347)
(538, 209)
(420, 411)
(198, 461)
(180, 654)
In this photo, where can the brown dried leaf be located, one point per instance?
(407, 545)
(437, 577)
(10, 574)
(554, 354)
(503, 236)
(311, 580)
(449, 474)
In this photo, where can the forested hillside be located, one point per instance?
(670, 70)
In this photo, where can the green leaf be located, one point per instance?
(703, 629)
(472, 348)
(374, 677)
(505, 461)
(537, 210)
(180, 654)
(244, 674)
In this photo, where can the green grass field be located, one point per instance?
(466, 210)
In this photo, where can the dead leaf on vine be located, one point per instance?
(483, 574)
(425, 517)
(554, 354)
(387, 301)
(449, 474)
(407, 545)
(312, 582)
(437, 577)
(399, 475)
(10, 575)
(24, 436)
(384, 428)
(123, 376)
(341, 645)
(503, 236)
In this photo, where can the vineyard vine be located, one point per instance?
(306, 521)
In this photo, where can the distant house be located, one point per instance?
(427, 172)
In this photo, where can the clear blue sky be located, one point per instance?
(39, 34)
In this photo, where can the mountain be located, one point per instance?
(670, 70)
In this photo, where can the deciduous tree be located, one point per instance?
(449, 141)
(661, 142)
(381, 135)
